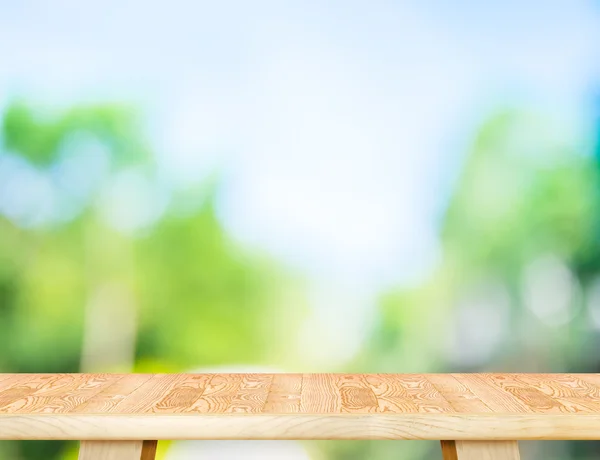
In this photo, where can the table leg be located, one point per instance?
(117, 450)
(480, 450)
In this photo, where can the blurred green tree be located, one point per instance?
(523, 217)
(78, 292)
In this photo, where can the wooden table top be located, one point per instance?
(300, 406)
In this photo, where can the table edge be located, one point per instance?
(300, 426)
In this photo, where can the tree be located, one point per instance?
(519, 248)
(95, 286)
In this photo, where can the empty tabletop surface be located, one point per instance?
(300, 406)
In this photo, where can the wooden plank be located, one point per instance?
(252, 394)
(319, 394)
(291, 393)
(551, 393)
(492, 395)
(183, 393)
(592, 379)
(284, 394)
(480, 450)
(532, 396)
(6, 377)
(458, 394)
(117, 450)
(19, 387)
(66, 397)
(432, 426)
(52, 392)
(423, 394)
(490, 407)
(107, 399)
(392, 397)
(169, 393)
(356, 394)
(8, 393)
(218, 394)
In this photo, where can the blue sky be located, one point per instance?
(338, 125)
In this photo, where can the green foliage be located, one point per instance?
(37, 136)
(199, 299)
(35, 140)
(193, 282)
(520, 194)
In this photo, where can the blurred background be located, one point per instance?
(342, 186)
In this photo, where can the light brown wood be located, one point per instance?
(106, 400)
(489, 407)
(458, 394)
(117, 450)
(252, 394)
(299, 426)
(170, 394)
(480, 450)
(284, 394)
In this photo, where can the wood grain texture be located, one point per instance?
(284, 394)
(480, 450)
(109, 398)
(168, 393)
(493, 396)
(356, 395)
(52, 393)
(320, 394)
(555, 394)
(252, 394)
(218, 394)
(300, 406)
(117, 450)
(458, 395)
